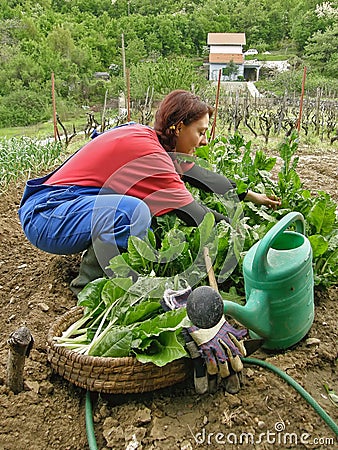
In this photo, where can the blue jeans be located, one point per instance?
(66, 219)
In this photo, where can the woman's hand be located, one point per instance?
(270, 201)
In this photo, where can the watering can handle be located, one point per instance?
(259, 262)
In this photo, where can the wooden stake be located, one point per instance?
(20, 344)
(210, 269)
(124, 68)
(213, 128)
(103, 118)
(301, 101)
(128, 94)
(54, 110)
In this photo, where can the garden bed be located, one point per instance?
(50, 412)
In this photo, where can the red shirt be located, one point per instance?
(129, 160)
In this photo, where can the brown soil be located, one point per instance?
(50, 412)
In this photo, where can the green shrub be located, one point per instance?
(291, 81)
(24, 107)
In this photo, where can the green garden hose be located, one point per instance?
(90, 424)
(319, 410)
(251, 361)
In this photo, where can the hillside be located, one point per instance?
(74, 40)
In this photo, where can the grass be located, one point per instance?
(32, 154)
(31, 151)
(42, 130)
(272, 57)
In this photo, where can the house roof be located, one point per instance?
(226, 38)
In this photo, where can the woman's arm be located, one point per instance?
(193, 214)
(210, 181)
(262, 199)
(214, 182)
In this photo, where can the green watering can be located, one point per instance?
(279, 288)
(278, 279)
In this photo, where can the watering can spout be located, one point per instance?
(254, 315)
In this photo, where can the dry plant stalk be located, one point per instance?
(20, 344)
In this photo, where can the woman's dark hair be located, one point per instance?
(178, 106)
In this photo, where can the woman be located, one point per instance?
(109, 188)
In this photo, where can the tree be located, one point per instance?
(305, 22)
(135, 51)
(230, 71)
(23, 107)
(165, 75)
(60, 41)
(321, 52)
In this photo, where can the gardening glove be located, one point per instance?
(221, 347)
(178, 299)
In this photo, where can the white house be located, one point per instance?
(225, 48)
(226, 54)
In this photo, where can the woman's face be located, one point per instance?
(191, 136)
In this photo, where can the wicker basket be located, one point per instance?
(109, 375)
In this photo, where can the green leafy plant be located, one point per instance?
(318, 210)
(180, 252)
(332, 395)
(235, 159)
(123, 318)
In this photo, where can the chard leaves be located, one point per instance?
(90, 296)
(169, 348)
(322, 215)
(141, 312)
(115, 342)
(155, 339)
(123, 318)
